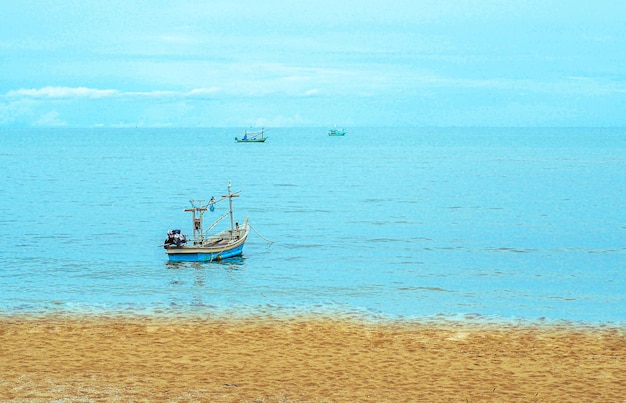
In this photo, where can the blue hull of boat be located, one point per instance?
(206, 257)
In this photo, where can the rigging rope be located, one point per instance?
(262, 237)
(215, 223)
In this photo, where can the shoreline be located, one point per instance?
(295, 314)
(305, 358)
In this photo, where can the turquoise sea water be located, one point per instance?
(503, 224)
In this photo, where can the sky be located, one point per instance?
(314, 63)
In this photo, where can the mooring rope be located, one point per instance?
(262, 237)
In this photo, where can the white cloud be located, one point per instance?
(13, 112)
(61, 92)
(311, 92)
(83, 92)
(203, 91)
(50, 119)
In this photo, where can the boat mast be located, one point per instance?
(230, 203)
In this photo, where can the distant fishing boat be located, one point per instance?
(252, 137)
(336, 132)
(203, 247)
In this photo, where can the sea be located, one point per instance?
(486, 224)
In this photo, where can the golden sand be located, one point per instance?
(305, 359)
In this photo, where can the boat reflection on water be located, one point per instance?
(234, 263)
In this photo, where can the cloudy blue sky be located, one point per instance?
(241, 63)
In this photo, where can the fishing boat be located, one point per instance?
(252, 137)
(205, 247)
(336, 132)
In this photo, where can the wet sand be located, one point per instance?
(305, 359)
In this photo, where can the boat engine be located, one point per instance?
(174, 237)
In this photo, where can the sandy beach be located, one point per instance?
(305, 360)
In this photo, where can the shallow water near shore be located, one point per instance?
(500, 224)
